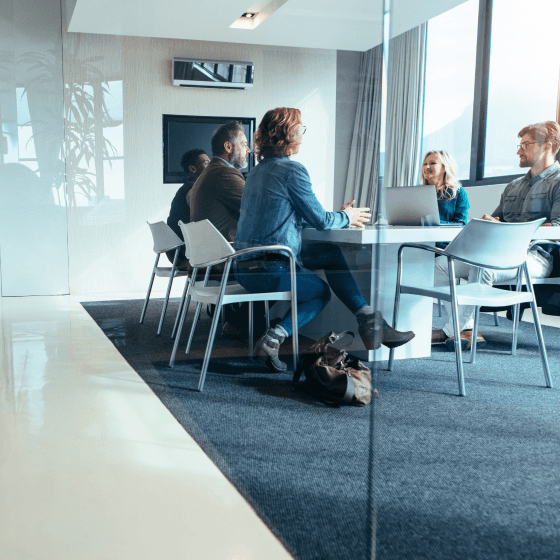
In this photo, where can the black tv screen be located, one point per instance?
(182, 133)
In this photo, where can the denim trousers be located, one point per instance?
(313, 293)
(538, 266)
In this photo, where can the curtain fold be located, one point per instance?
(405, 109)
(363, 167)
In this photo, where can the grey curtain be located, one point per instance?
(363, 167)
(404, 118)
(405, 107)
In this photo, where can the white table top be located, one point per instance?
(398, 234)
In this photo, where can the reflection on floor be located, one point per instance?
(92, 465)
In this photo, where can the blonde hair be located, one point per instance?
(451, 183)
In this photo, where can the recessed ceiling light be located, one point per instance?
(249, 15)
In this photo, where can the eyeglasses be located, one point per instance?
(302, 129)
(523, 145)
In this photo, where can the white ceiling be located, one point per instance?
(327, 24)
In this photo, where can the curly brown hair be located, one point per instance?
(276, 132)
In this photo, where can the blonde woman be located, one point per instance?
(439, 169)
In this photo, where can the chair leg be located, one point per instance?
(395, 319)
(474, 334)
(169, 284)
(542, 348)
(456, 331)
(251, 334)
(267, 314)
(214, 325)
(149, 291)
(293, 304)
(193, 327)
(496, 319)
(185, 290)
(439, 307)
(515, 330)
(181, 323)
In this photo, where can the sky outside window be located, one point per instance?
(449, 93)
(524, 68)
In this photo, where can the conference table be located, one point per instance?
(359, 247)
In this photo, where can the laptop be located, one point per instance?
(413, 206)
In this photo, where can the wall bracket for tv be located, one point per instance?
(224, 74)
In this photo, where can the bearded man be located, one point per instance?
(216, 195)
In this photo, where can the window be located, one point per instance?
(506, 53)
(450, 73)
(523, 84)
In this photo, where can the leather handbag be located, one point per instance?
(334, 377)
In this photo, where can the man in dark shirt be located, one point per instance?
(216, 195)
(194, 162)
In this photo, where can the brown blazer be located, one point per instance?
(216, 196)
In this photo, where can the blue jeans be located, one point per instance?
(313, 293)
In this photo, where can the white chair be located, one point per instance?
(207, 247)
(483, 244)
(534, 281)
(165, 239)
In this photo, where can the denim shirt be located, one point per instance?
(277, 198)
(523, 202)
(454, 210)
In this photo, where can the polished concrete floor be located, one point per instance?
(92, 465)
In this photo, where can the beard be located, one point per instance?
(238, 160)
(525, 162)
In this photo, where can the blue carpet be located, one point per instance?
(453, 478)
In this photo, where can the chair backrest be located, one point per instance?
(187, 246)
(165, 238)
(206, 243)
(494, 244)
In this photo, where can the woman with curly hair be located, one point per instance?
(277, 199)
(439, 169)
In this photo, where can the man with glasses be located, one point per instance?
(531, 197)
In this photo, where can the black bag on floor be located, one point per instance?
(334, 377)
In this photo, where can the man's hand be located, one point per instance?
(490, 218)
(358, 216)
(347, 205)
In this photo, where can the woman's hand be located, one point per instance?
(347, 205)
(490, 218)
(357, 216)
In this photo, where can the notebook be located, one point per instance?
(413, 206)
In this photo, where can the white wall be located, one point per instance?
(109, 242)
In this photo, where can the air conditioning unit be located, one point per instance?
(195, 72)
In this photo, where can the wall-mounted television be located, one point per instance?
(182, 133)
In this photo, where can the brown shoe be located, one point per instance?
(438, 336)
(466, 340)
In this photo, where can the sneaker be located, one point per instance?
(466, 340)
(267, 348)
(375, 331)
